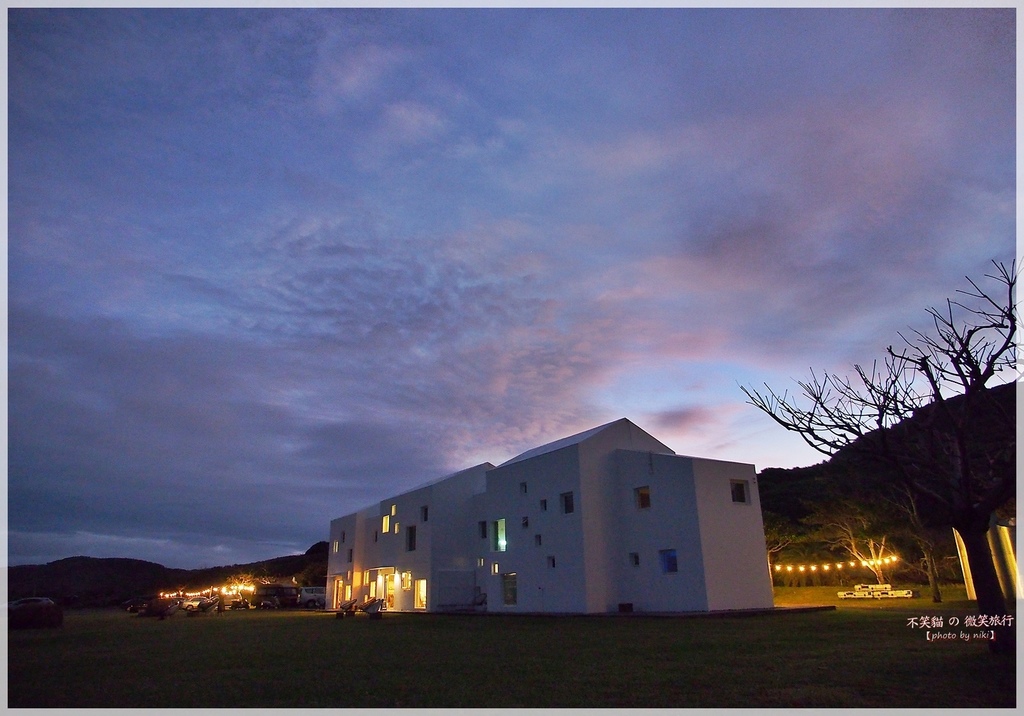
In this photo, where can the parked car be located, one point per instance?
(275, 596)
(313, 597)
(137, 604)
(34, 613)
(160, 608)
(199, 604)
(239, 603)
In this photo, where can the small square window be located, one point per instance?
(537, 540)
(568, 505)
(634, 559)
(551, 561)
(740, 493)
(543, 505)
(526, 522)
(669, 562)
(642, 496)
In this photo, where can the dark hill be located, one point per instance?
(93, 581)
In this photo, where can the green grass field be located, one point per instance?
(861, 655)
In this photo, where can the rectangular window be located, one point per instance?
(494, 568)
(642, 495)
(568, 507)
(537, 540)
(420, 595)
(526, 522)
(480, 562)
(482, 526)
(498, 542)
(373, 589)
(385, 524)
(551, 561)
(634, 559)
(394, 509)
(739, 491)
(543, 505)
(349, 555)
(410, 539)
(423, 513)
(348, 591)
(407, 581)
(396, 528)
(669, 563)
(375, 535)
(336, 546)
(508, 589)
(343, 535)
(522, 487)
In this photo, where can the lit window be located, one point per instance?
(522, 487)
(537, 540)
(410, 539)
(396, 528)
(634, 559)
(480, 562)
(423, 513)
(348, 591)
(669, 562)
(568, 507)
(508, 589)
(394, 509)
(551, 561)
(526, 522)
(420, 596)
(740, 493)
(373, 589)
(336, 546)
(498, 542)
(494, 568)
(385, 524)
(407, 580)
(642, 495)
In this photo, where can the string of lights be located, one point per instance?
(829, 566)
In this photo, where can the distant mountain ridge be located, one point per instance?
(108, 581)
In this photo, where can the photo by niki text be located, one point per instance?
(972, 627)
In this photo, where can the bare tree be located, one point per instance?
(957, 456)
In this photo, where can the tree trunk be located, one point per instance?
(933, 574)
(986, 587)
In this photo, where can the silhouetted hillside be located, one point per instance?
(93, 581)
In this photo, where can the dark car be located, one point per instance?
(137, 604)
(34, 613)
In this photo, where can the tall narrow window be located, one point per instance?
(498, 542)
(669, 563)
(406, 581)
(543, 505)
(537, 540)
(343, 535)
(424, 513)
(526, 522)
(385, 524)
(482, 527)
(336, 547)
(522, 487)
(420, 595)
(508, 589)
(350, 555)
(410, 538)
(568, 505)
(642, 495)
(739, 491)
(634, 559)
(551, 561)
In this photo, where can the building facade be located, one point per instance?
(607, 520)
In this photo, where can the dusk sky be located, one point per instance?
(269, 267)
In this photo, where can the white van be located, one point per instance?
(313, 597)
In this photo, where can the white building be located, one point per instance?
(604, 521)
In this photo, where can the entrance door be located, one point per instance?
(339, 591)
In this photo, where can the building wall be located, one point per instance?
(732, 537)
(541, 587)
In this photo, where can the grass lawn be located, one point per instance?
(855, 656)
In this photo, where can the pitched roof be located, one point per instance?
(564, 442)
